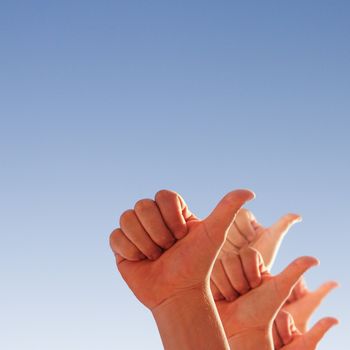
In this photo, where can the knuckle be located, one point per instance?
(242, 287)
(239, 286)
(133, 255)
(114, 236)
(126, 217)
(251, 272)
(245, 250)
(143, 205)
(115, 239)
(243, 213)
(154, 254)
(166, 242)
(230, 295)
(230, 258)
(249, 252)
(231, 261)
(164, 195)
(283, 316)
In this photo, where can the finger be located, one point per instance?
(229, 247)
(324, 290)
(299, 291)
(234, 270)
(222, 282)
(121, 245)
(174, 212)
(284, 325)
(133, 229)
(215, 291)
(312, 301)
(255, 224)
(219, 221)
(286, 280)
(120, 259)
(277, 341)
(235, 237)
(269, 242)
(282, 226)
(252, 263)
(151, 219)
(317, 332)
(303, 308)
(243, 222)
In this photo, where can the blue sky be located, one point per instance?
(104, 103)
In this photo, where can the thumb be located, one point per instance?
(317, 332)
(221, 218)
(314, 299)
(286, 280)
(269, 242)
(319, 294)
(282, 226)
(303, 308)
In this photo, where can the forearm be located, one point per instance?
(251, 340)
(190, 321)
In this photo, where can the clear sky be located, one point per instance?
(106, 102)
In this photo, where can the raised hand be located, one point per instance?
(301, 309)
(288, 337)
(174, 283)
(249, 319)
(228, 279)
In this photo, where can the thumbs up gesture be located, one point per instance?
(228, 279)
(165, 254)
(248, 320)
(303, 308)
(288, 337)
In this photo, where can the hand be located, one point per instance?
(187, 263)
(174, 284)
(230, 283)
(290, 338)
(302, 309)
(255, 311)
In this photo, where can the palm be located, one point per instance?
(159, 286)
(252, 310)
(299, 342)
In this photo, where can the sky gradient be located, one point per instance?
(104, 103)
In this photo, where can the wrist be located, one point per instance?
(180, 299)
(189, 320)
(252, 339)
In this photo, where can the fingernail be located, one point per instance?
(298, 219)
(252, 195)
